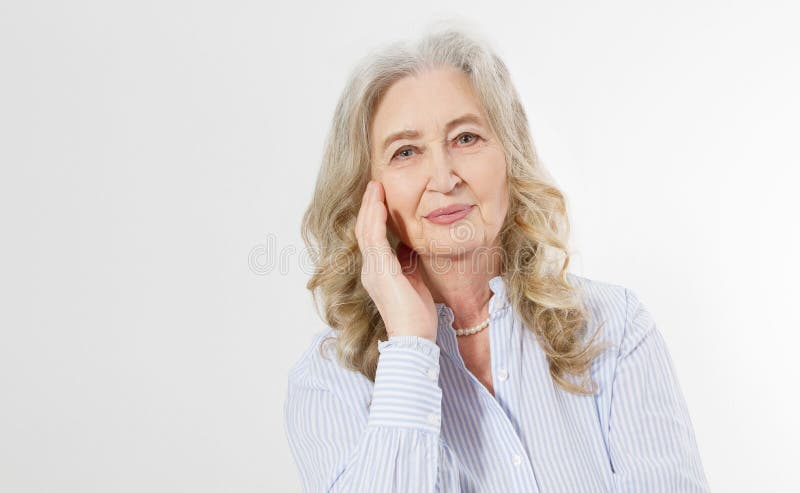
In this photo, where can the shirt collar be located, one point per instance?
(446, 334)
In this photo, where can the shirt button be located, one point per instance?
(432, 373)
(517, 459)
(502, 374)
(433, 419)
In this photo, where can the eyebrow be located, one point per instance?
(411, 134)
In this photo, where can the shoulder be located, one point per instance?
(603, 299)
(317, 368)
(309, 369)
(304, 366)
(625, 321)
(597, 292)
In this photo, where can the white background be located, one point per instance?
(152, 151)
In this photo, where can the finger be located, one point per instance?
(379, 254)
(375, 218)
(380, 198)
(371, 251)
(360, 218)
(366, 226)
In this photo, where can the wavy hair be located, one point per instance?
(533, 238)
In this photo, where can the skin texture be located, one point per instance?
(440, 165)
(402, 298)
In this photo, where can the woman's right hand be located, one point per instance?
(393, 281)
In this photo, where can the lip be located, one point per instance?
(449, 214)
(447, 210)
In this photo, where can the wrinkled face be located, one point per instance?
(432, 147)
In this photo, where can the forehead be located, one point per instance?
(424, 102)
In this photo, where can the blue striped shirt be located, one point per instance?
(427, 424)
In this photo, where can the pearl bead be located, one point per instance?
(473, 330)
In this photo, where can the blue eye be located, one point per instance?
(399, 153)
(402, 150)
(474, 137)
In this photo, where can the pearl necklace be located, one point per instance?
(473, 330)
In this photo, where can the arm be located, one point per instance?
(399, 448)
(651, 440)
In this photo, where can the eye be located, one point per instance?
(467, 134)
(401, 151)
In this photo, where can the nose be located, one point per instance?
(442, 177)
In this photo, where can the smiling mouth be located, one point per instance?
(451, 217)
(450, 209)
(452, 213)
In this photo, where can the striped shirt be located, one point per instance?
(427, 424)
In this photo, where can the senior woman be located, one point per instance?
(459, 353)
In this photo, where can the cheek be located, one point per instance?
(402, 195)
(401, 207)
(491, 186)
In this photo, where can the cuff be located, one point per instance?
(407, 392)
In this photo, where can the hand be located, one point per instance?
(392, 280)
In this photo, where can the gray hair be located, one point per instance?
(535, 231)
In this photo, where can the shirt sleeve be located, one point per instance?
(398, 449)
(652, 443)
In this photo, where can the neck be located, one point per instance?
(462, 284)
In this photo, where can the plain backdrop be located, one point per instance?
(157, 157)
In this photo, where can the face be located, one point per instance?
(432, 147)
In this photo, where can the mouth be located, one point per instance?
(450, 214)
(449, 210)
